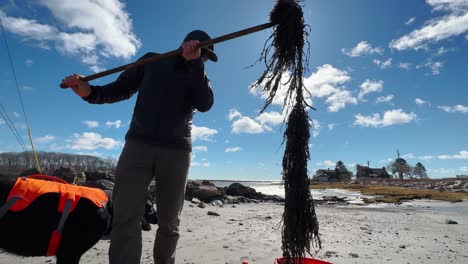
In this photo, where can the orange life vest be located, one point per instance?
(28, 189)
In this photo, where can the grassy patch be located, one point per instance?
(391, 194)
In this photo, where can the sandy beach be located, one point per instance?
(413, 232)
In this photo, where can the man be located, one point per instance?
(158, 144)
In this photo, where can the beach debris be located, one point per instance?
(330, 254)
(195, 201)
(353, 255)
(451, 222)
(402, 246)
(285, 62)
(212, 213)
(217, 203)
(202, 205)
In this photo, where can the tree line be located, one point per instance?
(13, 163)
(402, 170)
(399, 169)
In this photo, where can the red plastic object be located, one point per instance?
(304, 261)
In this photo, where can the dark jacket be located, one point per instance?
(169, 91)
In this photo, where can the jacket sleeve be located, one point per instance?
(202, 94)
(121, 89)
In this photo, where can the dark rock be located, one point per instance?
(212, 213)
(29, 171)
(237, 189)
(451, 222)
(205, 191)
(101, 184)
(68, 174)
(100, 175)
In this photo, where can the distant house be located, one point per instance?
(366, 172)
(324, 175)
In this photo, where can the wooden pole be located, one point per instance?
(178, 51)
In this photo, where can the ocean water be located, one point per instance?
(276, 188)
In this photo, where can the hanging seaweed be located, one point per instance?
(284, 55)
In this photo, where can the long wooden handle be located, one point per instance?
(178, 51)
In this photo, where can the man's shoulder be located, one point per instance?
(148, 55)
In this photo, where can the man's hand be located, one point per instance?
(78, 86)
(189, 51)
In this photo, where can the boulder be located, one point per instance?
(100, 175)
(237, 189)
(101, 184)
(205, 191)
(68, 174)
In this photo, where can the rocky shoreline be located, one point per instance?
(442, 185)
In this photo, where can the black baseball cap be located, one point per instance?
(201, 36)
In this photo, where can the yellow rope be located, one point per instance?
(38, 167)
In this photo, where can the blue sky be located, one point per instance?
(382, 74)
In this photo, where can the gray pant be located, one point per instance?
(137, 166)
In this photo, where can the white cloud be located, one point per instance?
(91, 124)
(385, 99)
(116, 123)
(87, 28)
(391, 117)
(316, 127)
(420, 101)
(370, 86)
(455, 109)
(270, 118)
(249, 126)
(441, 51)
(435, 66)
(331, 126)
(463, 169)
(408, 156)
(260, 124)
(327, 82)
(200, 149)
(200, 164)
(461, 155)
(203, 133)
(233, 113)
(234, 149)
(410, 21)
(362, 48)
(27, 88)
(427, 157)
(16, 114)
(44, 139)
(339, 100)
(96, 69)
(454, 23)
(327, 163)
(91, 141)
(281, 94)
(383, 64)
(28, 62)
(404, 65)
(386, 160)
(441, 171)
